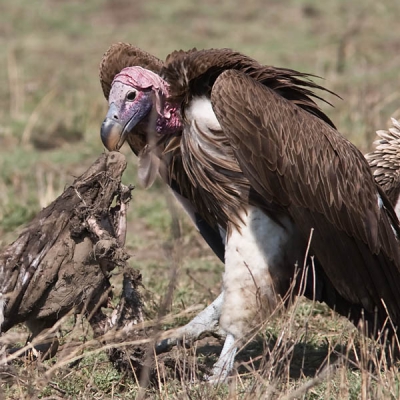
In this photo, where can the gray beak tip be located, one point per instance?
(110, 133)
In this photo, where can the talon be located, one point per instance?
(166, 345)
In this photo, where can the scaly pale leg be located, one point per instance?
(256, 255)
(224, 365)
(205, 322)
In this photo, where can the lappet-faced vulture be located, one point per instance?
(251, 153)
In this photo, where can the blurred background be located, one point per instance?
(51, 104)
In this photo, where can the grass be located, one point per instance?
(51, 108)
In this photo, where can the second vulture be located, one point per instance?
(263, 172)
(385, 163)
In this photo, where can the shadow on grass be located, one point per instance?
(305, 359)
(296, 359)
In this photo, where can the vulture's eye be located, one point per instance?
(131, 96)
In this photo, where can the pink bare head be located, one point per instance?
(143, 79)
(135, 92)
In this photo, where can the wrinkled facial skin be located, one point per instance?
(128, 106)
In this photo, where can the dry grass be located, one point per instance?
(51, 108)
(289, 358)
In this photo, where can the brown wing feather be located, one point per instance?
(120, 56)
(192, 73)
(305, 166)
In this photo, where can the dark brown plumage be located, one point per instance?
(285, 157)
(321, 180)
(254, 156)
(192, 74)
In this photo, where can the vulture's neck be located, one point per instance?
(169, 120)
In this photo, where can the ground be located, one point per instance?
(51, 109)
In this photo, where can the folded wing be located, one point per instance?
(299, 163)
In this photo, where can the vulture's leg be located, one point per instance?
(206, 322)
(258, 260)
(225, 361)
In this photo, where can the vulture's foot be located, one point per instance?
(224, 365)
(203, 324)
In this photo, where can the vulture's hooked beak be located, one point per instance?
(113, 132)
(121, 120)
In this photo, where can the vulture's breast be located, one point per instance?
(211, 165)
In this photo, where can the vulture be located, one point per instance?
(385, 163)
(280, 195)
